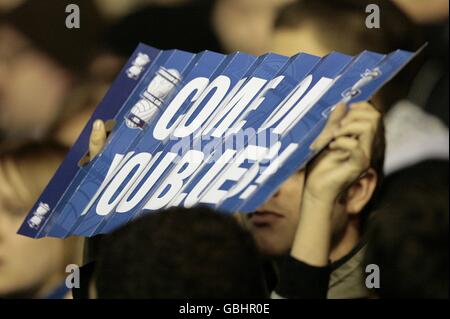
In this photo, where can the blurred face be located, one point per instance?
(32, 87)
(302, 38)
(7, 5)
(273, 225)
(425, 11)
(28, 267)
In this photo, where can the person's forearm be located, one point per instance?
(312, 240)
(306, 273)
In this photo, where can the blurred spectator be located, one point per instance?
(116, 9)
(413, 136)
(308, 17)
(429, 89)
(178, 253)
(408, 236)
(7, 5)
(246, 25)
(417, 126)
(413, 133)
(425, 12)
(306, 26)
(30, 268)
(41, 64)
(185, 26)
(156, 23)
(195, 25)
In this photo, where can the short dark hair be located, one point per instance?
(408, 235)
(180, 253)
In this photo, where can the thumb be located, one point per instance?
(97, 139)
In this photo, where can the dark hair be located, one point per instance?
(185, 26)
(180, 253)
(408, 235)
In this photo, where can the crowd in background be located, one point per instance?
(52, 78)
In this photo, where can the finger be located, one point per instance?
(365, 131)
(352, 147)
(97, 139)
(354, 157)
(332, 124)
(357, 113)
(344, 144)
(356, 129)
(339, 155)
(362, 104)
(329, 156)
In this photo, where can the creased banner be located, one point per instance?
(201, 129)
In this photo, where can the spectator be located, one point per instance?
(316, 219)
(305, 26)
(30, 268)
(42, 66)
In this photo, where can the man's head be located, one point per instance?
(307, 26)
(274, 224)
(180, 253)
